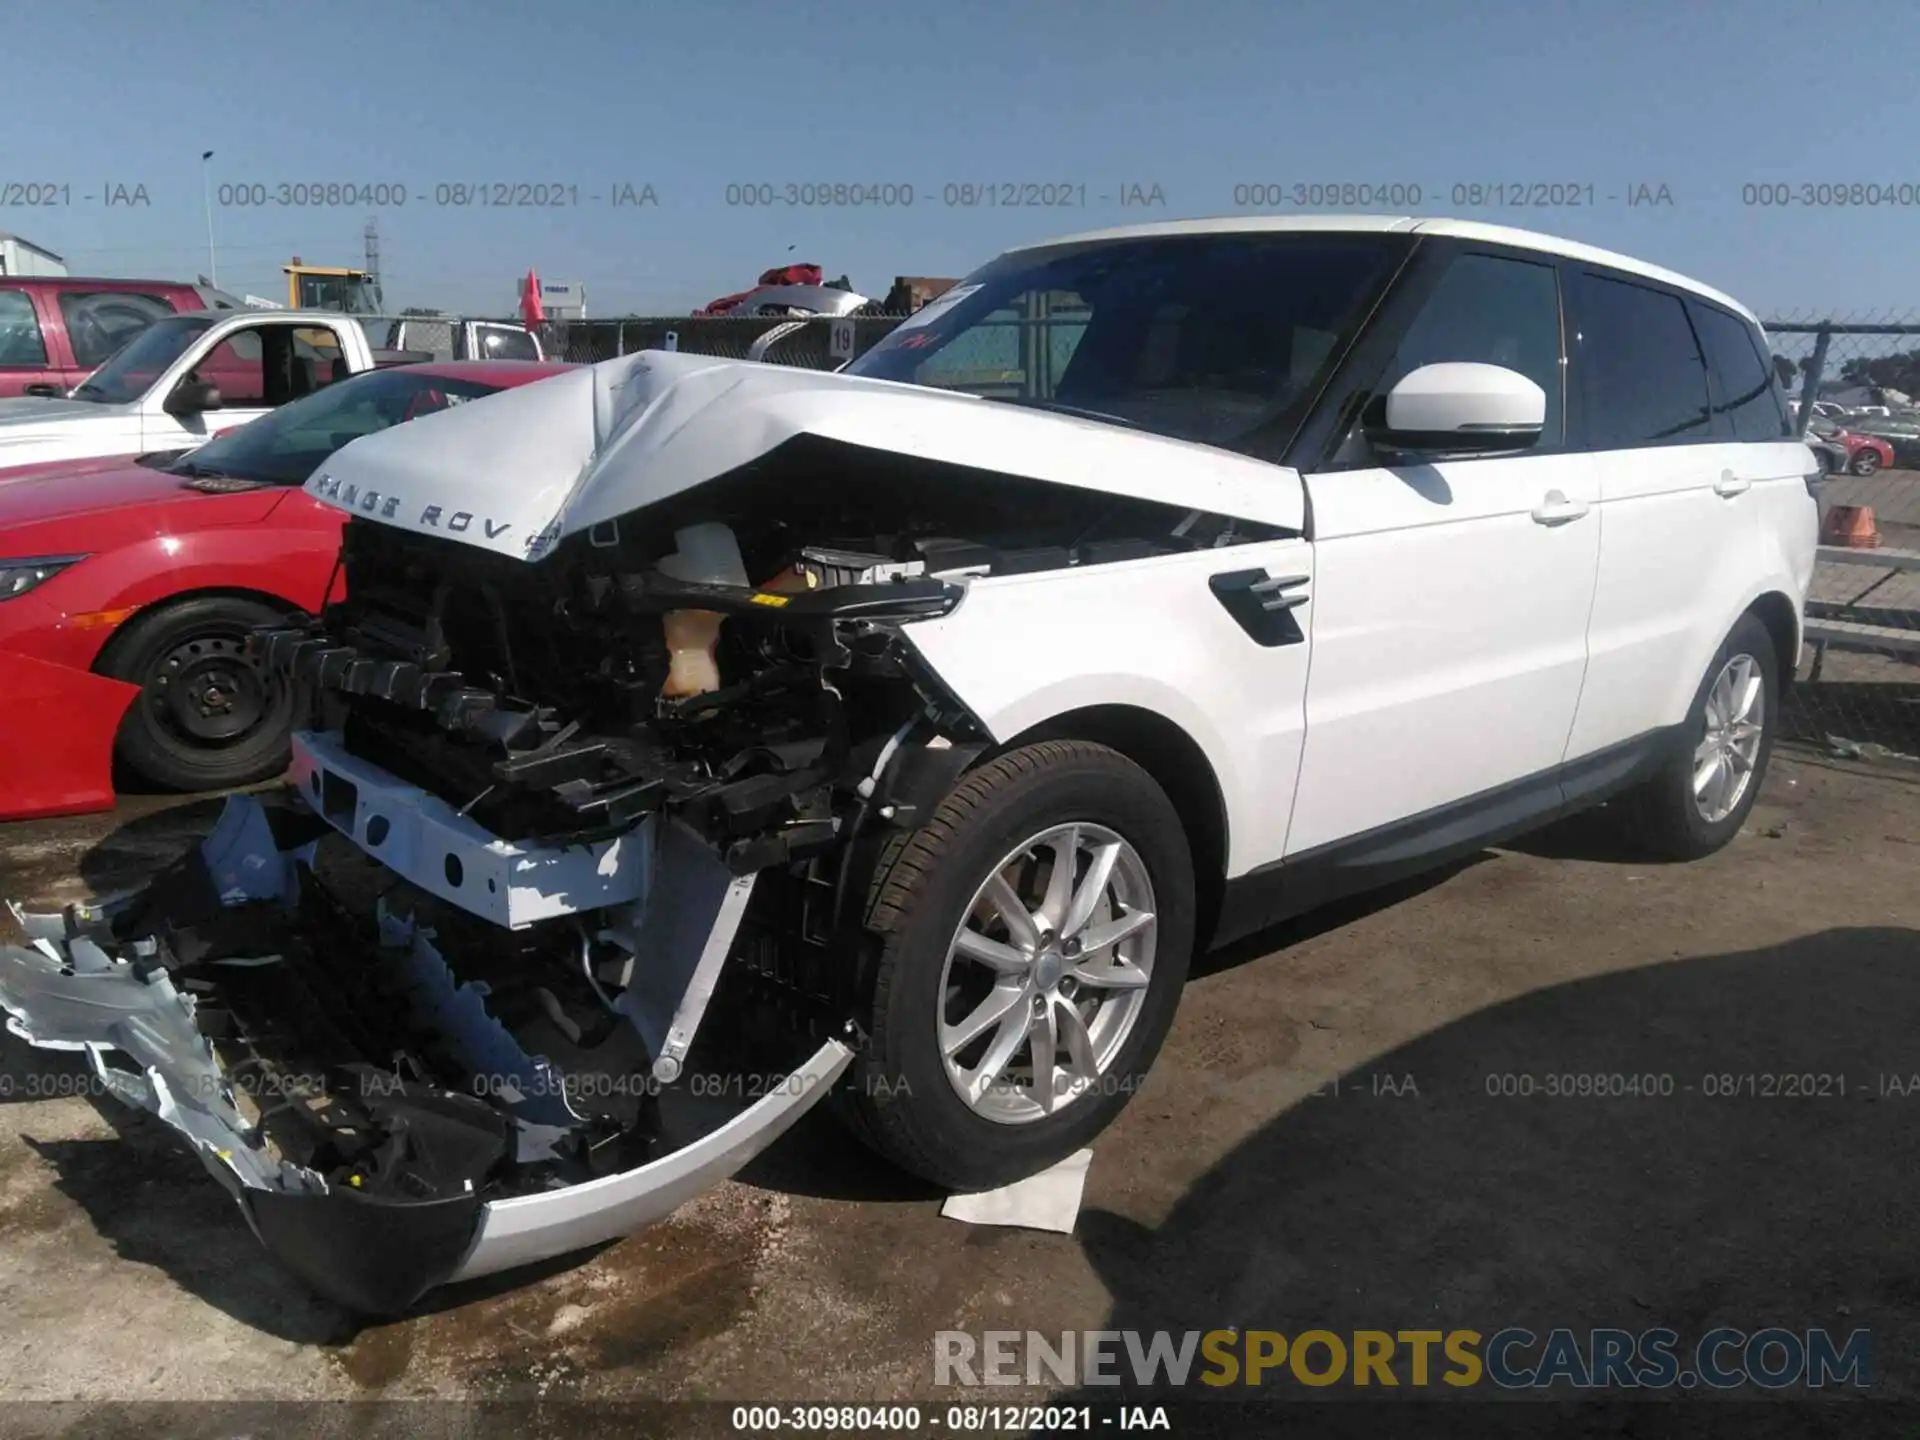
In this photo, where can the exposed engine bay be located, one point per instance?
(575, 839)
(736, 660)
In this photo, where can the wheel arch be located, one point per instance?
(1177, 764)
(206, 592)
(1782, 621)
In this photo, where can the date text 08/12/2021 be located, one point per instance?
(1270, 194)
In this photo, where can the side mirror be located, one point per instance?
(193, 397)
(1458, 407)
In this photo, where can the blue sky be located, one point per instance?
(1196, 98)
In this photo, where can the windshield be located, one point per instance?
(1222, 339)
(131, 372)
(343, 294)
(288, 445)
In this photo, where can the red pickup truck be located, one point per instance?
(56, 329)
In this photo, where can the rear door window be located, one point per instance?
(1643, 379)
(99, 322)
(21, 344)
(235, 366)
(1747, 401)
(317, 360)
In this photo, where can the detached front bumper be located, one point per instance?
(141, 985)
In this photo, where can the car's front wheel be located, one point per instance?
(206, 717)
(1034, 936)
(1699, 800)
(1866, 461)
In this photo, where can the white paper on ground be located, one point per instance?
(1047, 1201)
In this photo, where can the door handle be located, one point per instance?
(1556, 509)
(1730, 485)
(42, 391)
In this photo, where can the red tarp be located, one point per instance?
(779, 275)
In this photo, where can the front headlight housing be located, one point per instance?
(17, 577)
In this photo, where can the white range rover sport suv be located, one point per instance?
(696, 740)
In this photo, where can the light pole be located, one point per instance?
(206, 178)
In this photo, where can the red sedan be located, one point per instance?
(127, 589)
(1866, 454)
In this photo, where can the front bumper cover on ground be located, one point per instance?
(83, 984)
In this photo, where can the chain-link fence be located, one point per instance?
(808, 343)
(1853, 382)
(431, 335)
(447, 337)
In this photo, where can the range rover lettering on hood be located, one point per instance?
(526, 468)
(387, 507)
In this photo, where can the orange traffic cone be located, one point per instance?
(1851, 526)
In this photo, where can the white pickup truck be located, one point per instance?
(182, 381)
(443, 337)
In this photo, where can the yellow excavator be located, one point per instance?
(330, 287)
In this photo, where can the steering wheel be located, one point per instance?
(424, 403)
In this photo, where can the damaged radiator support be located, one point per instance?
(728, 761)
(436, 1016)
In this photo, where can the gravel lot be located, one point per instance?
(1231, 1193)
(1893, 494)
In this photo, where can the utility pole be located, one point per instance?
(373, 263)
(206, 178)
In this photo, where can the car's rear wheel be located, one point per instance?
(206, 717)
(1035, 934)
(1700, 799)
(1866, 460)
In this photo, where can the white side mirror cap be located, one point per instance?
(1463, 405)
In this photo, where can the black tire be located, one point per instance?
(1866, 461)
(898, 1091)
(205, 718)
(1661, 814)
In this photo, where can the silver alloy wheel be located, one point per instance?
(1047, 973)
(1724, 760)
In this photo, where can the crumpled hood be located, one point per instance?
(522, 470)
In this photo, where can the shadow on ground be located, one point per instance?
(821, 1158)
(153, 1201)
(131, 853)
(1438, 1200)
(1327, 918)
(148, 1196)
(1591, 835)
